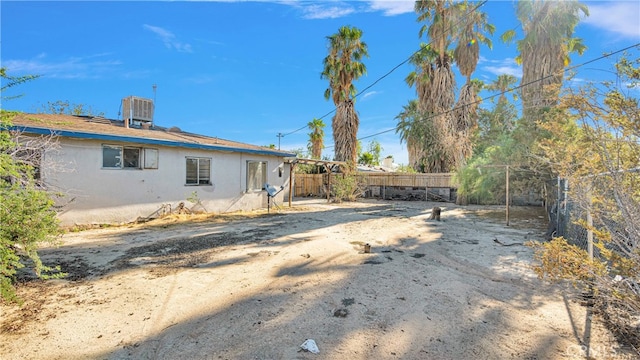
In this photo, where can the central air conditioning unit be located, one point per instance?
(137, 110)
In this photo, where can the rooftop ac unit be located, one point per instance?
(136, 108)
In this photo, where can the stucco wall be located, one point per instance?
(93, 194)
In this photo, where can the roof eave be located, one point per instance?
(146, 141)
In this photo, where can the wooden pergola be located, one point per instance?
(329, 166)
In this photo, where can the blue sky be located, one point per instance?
(246, 71)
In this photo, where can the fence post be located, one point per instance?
(563, 207)
(558, 207)
(589, 226)
(384, 189)
(291, 187)
(329, 186)
(507, 195)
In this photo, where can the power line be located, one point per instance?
(390, 71)
(320, 118)
(509, 90)
(466, 104)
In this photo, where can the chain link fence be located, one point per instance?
(567, 213)
(603, 213)
(571, 217)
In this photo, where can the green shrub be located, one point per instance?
(27, 216)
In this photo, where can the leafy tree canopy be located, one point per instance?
(27, 216)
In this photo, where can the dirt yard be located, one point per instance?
(257, 285)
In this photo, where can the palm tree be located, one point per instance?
(438, 17)
(466, 115)
(411, 124)
(341, 67)
(544, 52)
(472, 29)
(421, 78)
(502, 84)
(408, 128)
(416, 129)
(442, 17)
(316, 138)
(472, 32)
(448, 23)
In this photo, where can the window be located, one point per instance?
(198, 171)
(150, 158)
(120, 157)
(131, 158)
(111, 156)
(256, 175)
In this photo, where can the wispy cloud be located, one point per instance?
(326, 11)
(338, 9)
(87, 67)
(620, 17)
(506, 66)
(391, 8)
(168, 38)
(369, 94)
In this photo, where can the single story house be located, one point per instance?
(118, 171)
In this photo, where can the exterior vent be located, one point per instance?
(137, 109)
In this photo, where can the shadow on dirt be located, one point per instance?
(430, 320)
(178, 250)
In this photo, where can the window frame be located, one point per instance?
(139, 159)
(198, 172)
(119, 164)
(151, 158)
(253, 184)
(143, 157)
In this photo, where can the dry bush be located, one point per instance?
(347, 187)
(594, 142)
(615, 297)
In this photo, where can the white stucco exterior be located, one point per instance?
(94, 194)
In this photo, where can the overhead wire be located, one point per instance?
(512, 88)
(469, 103)
(389, 72)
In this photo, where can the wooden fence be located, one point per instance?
(315, 184)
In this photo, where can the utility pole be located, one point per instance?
(280, 136)
(153, 113)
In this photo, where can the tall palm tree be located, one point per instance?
(449, 23)
(438, 18)
(421, 78)
(466, 116)
(544, 51)
(316, 138)
(441, 15)
(341, 67)
(473, 27)
(411, 124)
(472, 31)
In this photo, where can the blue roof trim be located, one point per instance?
(133, 139)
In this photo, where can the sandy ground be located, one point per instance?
(257, 285)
